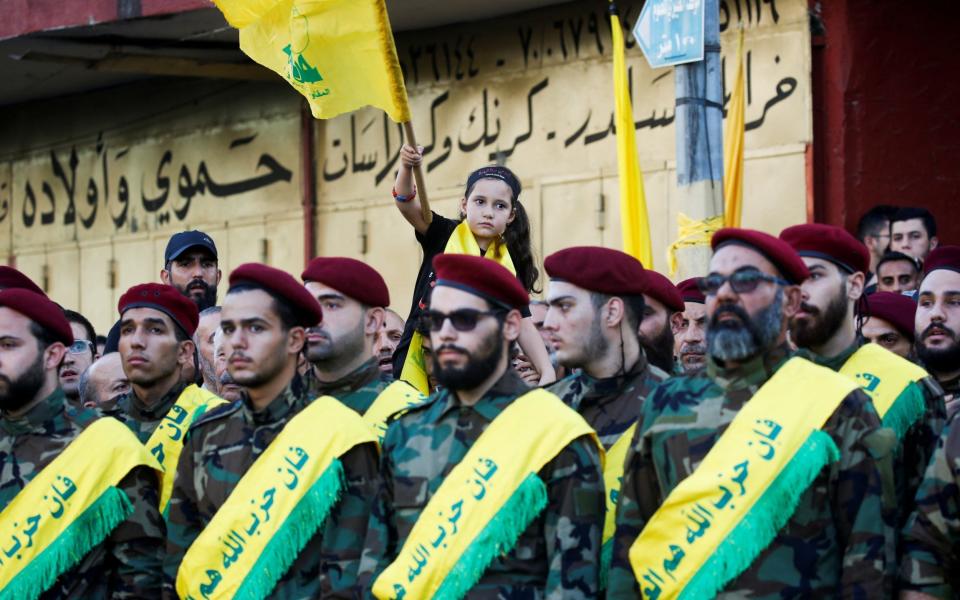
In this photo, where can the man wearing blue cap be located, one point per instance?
(190, 265)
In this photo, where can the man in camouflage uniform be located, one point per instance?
(938, 322)
(833, 544)
(596, 303)
(264, 319)
(931, 567)
(353, 296)
(662, 300)
(558, 554)
(156, 325)
(690, 329)
(36, 426)
(825, 328)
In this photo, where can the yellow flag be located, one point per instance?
(633, 202)
(338, 53)
(733, 146)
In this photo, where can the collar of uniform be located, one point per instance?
(834, 363)
(141, 412)
(951, 386)
(359, 377)
(606, 387)
(755, 371)
(289, 401)
(37, 417)
(497, 398)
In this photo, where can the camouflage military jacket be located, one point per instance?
(612, 404)
(140, 418)
(127, 564)
(932, 536)
(834, 543)
(357, 390)
(559, 553)
(951, 389)
(915, 450)
(218, 450)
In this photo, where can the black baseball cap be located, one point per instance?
(183, 241)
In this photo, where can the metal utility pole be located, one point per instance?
(699, 127)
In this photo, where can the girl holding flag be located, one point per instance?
(494, 224)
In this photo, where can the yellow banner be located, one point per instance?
(339, 54)
(166, 443)
(733, 145)
(398, 396)
(227, 559)
(34, 524)
(882, 374)
(613, 479)
(771, 433)
(515, 446)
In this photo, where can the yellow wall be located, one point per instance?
(476, 90)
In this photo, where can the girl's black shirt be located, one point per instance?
(433, 243)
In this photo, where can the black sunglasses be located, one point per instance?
(465, 319)
(742, 281)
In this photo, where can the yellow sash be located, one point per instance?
(613, 479)
(398, 396)
(716, 522)
(166, 442)
(461, 241)
(485, 503)
(278, 505)
(891, 382)
(68, 508)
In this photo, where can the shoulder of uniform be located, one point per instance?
(657, 374)
(215, 414)
(412, 412)
(83, 416)
(560, 386)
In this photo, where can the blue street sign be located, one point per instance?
(670, 32)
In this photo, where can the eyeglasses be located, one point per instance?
(80, 346)
(743, 281)
(464, 319)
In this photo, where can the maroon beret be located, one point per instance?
(482, 277)
(165, 298)
(942, 257)
(896, 309)
(597, 269)
(350, 277)
(12, 278)
(783, 257)
(305, 307)
(690, 290)
(662, 289)
(41, 310)
(828, 242)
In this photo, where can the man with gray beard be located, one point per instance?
(815, 536)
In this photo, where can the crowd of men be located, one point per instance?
(778, 428)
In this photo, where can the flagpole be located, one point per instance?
(418, 176)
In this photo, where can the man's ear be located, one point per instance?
(856, 283)
(511, 325)
(219, 276)
(934, 242)
(186, 351)
(792, 298)
(165, 276)
(53, 356)
(296, 339)
(613, 312)
(676, 322)
(373, 320)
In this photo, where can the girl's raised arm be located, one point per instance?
(404, 189)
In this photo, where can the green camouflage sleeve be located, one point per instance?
(136, 545)
(932, 534)
(345, 530)
(573, 525)
(380, 543)
(183, 519)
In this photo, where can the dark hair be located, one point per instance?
(288, 319)
(517, 238)
(44, 336)
(894, 256)
(911, 212)
(75, 317)
(874, 220)
(634, 306)
(100, 339)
